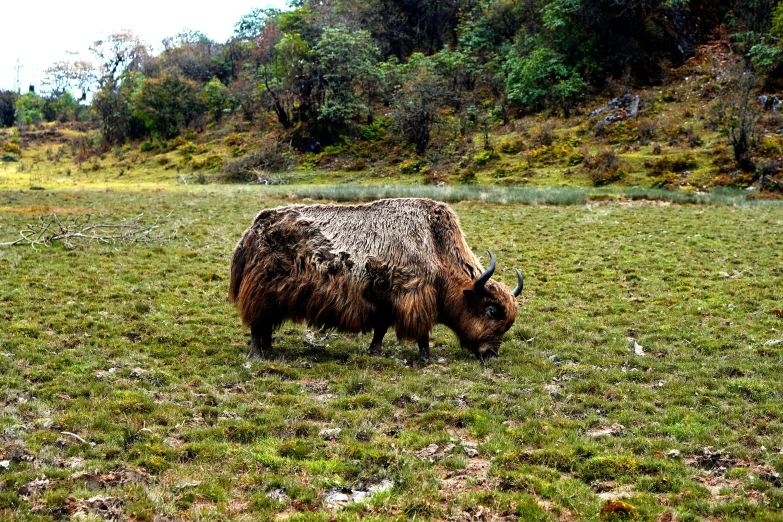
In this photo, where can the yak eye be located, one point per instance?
(493, 312)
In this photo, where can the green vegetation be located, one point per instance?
(640, 381)
(134, 350)
(496, 92)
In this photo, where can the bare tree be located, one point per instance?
(739, 112)
(118, 53)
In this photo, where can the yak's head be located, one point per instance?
(487, 311)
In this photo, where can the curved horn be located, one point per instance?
(483, 278)
(520, 284)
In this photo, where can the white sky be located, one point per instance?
(41, 33)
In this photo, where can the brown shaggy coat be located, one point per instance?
(399, 263)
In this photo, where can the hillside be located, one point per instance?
(673, 142)
(569, 93)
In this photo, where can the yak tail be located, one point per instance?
(238, 261)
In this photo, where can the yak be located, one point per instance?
(394, 263)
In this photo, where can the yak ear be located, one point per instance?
(470, 296)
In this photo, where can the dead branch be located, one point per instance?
(87, 227)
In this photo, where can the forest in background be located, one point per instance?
(423, 82)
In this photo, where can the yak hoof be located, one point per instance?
(256, 354)
(375, 350)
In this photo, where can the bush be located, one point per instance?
(467, 177)
(648, 130)
(146, 146)
(269, 158)
(666, 170)
(411, 166)
(484, 157)
(672, 164)
(545, 135)
(356, 165)
(12, 148)
(510, 147)
(375, 131)
(603, 168)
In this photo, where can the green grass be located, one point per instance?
(134, 349)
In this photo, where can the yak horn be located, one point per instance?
(483, 278)
(520, 284)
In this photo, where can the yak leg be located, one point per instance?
(260, 340)
(377, 339)
(424, 346)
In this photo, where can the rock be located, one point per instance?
(471, 449)
(433, 452)
(613, 430)
(104, 507)
(673, 454)
(623, 107)
(34, 487)
(329, 434)
(554, 391)
(712, 459)
(638, 349)
(277, 494)
(770, 475)
(338, 497)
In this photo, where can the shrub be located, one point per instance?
(605, 159)
(12, 148)
(672, 164)
(211, 162)
(269, 158)
(545, 135)
(484, 157)
(375, 131)
(665, 171)
(356, 165)
(648, 130)
(510, 147)
(146, 146)
(603, 168)
(467, 177)
(411, 166)
(187, 148)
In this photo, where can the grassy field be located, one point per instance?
(126, 394)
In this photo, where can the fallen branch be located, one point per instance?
(51, 228)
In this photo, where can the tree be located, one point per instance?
(194, 56)
(119, 53)
(7, 108)
(77, 76)
(740, 116)
(541, 79)
(112, 106)
(251, 25)
(29, 109)
(348, 63)
(167, 104)
(416, 102)
(217, 98)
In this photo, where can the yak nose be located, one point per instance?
(486, 353)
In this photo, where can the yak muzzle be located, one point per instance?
(486, 352)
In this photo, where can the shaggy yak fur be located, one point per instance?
(395, 263)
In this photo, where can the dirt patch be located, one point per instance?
(95, 481)
(455, 482)
(109, 508)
